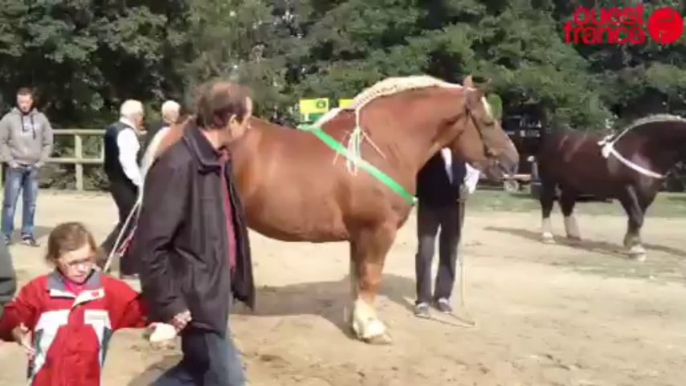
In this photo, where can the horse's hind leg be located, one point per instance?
(567, 202)
(636, 212)
(368, 254)
(547, 200)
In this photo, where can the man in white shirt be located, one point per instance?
(121, 167)
(442, 187)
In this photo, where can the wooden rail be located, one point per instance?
(77, 160)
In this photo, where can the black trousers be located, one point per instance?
(125, 194)
(430, 218)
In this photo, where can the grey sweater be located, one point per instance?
(25, 139)
(8, 279)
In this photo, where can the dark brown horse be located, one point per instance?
(297, 188)
(629, 167)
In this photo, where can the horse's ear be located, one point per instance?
(486, 86)
(468, 82)
(473, 95)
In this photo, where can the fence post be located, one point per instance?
(78, 154)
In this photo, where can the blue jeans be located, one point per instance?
(25, 179)
(209, 359)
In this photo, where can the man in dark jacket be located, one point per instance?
(192, 241)
(8, 278)
(440, 195)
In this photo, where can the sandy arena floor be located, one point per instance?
(546, 314)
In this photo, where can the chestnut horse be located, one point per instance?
(295, 187)
(629, 167)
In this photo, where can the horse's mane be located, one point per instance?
(655, 118)
(385, 87)
(394, 85)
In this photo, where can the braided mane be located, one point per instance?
(385, 87)
(394, 85)
(655, 118)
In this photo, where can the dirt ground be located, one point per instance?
(546, 314)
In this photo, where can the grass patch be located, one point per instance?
(665, 205)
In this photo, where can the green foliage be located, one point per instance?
(85, 57)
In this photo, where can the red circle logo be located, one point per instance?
(666, 26)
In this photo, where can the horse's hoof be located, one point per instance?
(547, 238)
(379, 340)
(638, 253)
(574, 239)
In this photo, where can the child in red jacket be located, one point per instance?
(65, 319)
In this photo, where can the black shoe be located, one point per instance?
(30, 241)
(421, 310)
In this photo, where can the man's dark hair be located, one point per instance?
(218, 101)
(25, 91)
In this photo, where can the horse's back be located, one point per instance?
(573, 159)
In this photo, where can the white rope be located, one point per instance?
(354, 138)
(122, 231)
(471, 322)
(608, 148)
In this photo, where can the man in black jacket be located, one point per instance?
(192, 241)
(440, 194)
(8, 278)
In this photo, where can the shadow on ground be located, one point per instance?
(596, 246)
(327, 299)
(40, 232)
(154, 371)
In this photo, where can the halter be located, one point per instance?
(608, 148)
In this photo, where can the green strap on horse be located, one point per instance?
(366, 166)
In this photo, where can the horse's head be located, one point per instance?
(481, 141)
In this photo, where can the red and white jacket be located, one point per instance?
(71, 333)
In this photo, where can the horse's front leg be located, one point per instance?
(368, 254)
(567, 203)
(547, 200)
(636, 212)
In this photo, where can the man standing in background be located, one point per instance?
(121, 167)
(170, 113)
(25, 145)
(442, 187)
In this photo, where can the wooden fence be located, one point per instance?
(78, 159)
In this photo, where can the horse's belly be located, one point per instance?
(295, 218)
(585, 174)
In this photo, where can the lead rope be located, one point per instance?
(122, 232)
(468, 319)
(354, 146)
